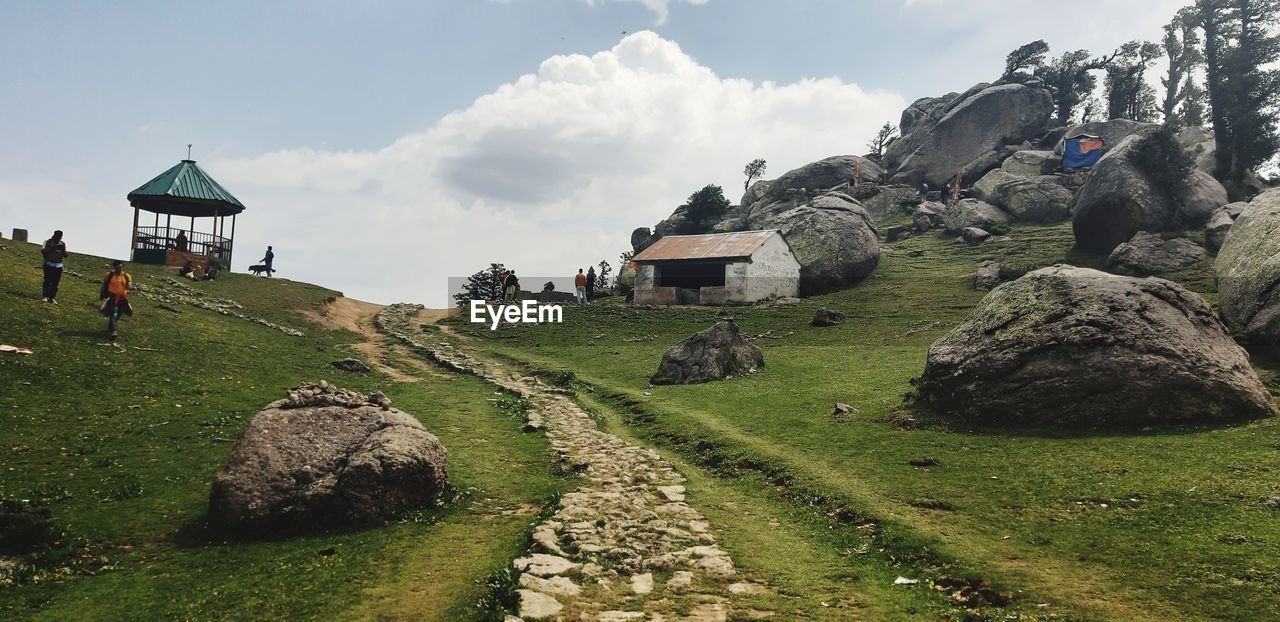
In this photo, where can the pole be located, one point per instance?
(133, 240)
(231, 241)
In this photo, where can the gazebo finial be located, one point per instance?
(188, 151)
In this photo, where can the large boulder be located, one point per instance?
(1219, 223)
(973, 213)
(973, 131)
(914, 125)
(754, 193)
(812, 179)
(832, 237)
(715, 353)
(1154, 253)
(1111, 132)
(882, 202)
(642, 238)
(1120, 198)
(327, 457)
(1248, 268)
(1040, 199)
(1031, 163)
(1068, 346)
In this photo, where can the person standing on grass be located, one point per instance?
(267, 259)
(591, 283)
(580, 287)
(54, 252)
(512, 288)
(115, 297)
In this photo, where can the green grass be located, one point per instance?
(121, 444)
(1184, 533)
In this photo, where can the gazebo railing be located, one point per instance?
(199, 243)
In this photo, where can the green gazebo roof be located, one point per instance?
(185, 190)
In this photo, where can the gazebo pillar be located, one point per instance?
(133, 240)
(231, 241)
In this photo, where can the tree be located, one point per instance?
(1253, 86)
(882, 138)
(1070, 80)
(1240, 48)
(483, 285)
(602, 276)
(705, 206)
(1028, 56)
(1128, 94)
(1193, 100)
(1181, 48)
(754, 170)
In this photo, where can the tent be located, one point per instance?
(1081, 151)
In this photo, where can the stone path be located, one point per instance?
(625, 545)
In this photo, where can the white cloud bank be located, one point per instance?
(547, 174)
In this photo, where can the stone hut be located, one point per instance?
(716, 269)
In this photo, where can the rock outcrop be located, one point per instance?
(971, 136)
(832, 237)
(1111, 132)
(1120, 198)
(1153, 253)
(1031, 163)
(973, 213)
(1040, 199)
(327, 457)
(715, 353)
(1074, 347)
(1248, 268)
(1219, 223)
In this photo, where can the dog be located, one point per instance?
(258, 269)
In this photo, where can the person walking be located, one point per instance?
(54, 252)
(924, 191)
(115, 297)
(591, 283)
(580, 287)
(267, 259)
(502, 284)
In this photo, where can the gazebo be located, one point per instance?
(185, 191)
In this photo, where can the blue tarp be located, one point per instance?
(1081, 151)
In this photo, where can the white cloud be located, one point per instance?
(661, 8)
(546, 174)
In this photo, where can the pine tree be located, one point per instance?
(1128, 94)
(483, 285)
(1181, 47)
(1070, 81)
(1028, 56)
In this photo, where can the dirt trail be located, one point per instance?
(625, 545)
(358, 317)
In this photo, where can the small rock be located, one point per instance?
(974, 235)
(537, 606)
(988, 276)
(893, 234)
(544, 565)
(826, 317)
(642, 583)
(351, 365)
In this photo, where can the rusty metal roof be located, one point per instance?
(708, 246)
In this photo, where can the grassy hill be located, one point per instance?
(119, 443)
(1151, 523)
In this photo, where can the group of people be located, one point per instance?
(116, 284)
(193, 272)
(114, 292)
(584, 285)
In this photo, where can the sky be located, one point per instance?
(384, 146)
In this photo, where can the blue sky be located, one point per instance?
(438, 127)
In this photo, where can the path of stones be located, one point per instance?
(623, 546)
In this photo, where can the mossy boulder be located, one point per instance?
(715, 353)
(1079, 348)
(1248, 270)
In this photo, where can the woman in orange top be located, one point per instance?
(115, 296)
